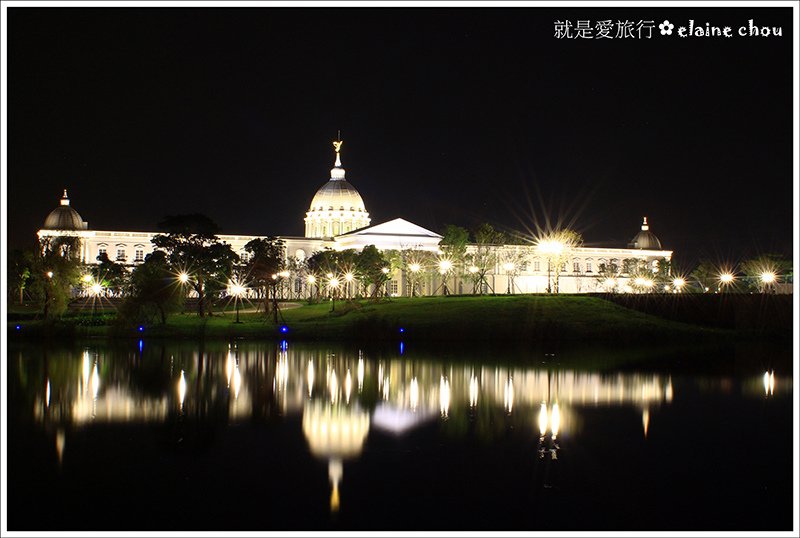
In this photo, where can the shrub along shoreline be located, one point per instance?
(515, 318)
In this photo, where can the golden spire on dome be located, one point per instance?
(65, 198)
(645, 227)
(337, 147)
(337, 172)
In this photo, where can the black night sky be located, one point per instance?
(448, 115)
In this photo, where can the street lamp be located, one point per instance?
(333, 284)
(679, 283)
(311, 279)
(97, 289)
(414, 268)
(550, 248)
(508, 267)
(183, 278)
(643, 282)
(444, 267)
(767, 278)
(237, 290)
(349, 278)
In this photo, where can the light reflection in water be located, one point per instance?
(282, 372)
(543, 419)
(334, 387)
(229, 363)
(508, 395)
(310, 378)
(410, 395)
(95, 382)
(555, 420)
(237, 381)
(414, 394)
(444, 397)
(87, 369)
(769, 383)
(182, 389)
(416, 387)
(473, 391)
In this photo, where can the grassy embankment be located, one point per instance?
(463, 318)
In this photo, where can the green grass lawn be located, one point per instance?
(492, 318)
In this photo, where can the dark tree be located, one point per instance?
(265, 263)
(109, 274)
(192, 246)
(19, 272)
(153, 289)
(485, 256)
(373, 267)
(55, 270)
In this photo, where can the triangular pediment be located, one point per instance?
(396, 227)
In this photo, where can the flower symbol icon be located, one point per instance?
(666, 28)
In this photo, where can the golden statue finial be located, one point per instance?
(337, 145)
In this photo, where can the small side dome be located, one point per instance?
(645, 239)
(64, 217)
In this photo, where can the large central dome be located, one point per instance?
(336, 208)
(337, 195)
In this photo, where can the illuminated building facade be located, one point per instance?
(337, 218)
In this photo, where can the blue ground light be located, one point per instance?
(402, 348)
(141, 345)
(141, 328)
(402, 329)
(284, 329)
(284, 345)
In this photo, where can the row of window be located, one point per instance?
(122, 256)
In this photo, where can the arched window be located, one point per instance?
(121, 255)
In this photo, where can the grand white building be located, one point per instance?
(337, 218)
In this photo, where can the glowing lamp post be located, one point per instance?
(414, 268)
(311, 279)
(643, 283)
(509, 268)
(183, 278)
(237, 290)
(550, 248)
(97, 289)
(333, 284)
(385, 272)
(444, 268)
(768, 278)
(678, 284)
(348, 277)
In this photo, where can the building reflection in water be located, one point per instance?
(336, 419)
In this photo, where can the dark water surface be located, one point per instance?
(264, 436)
